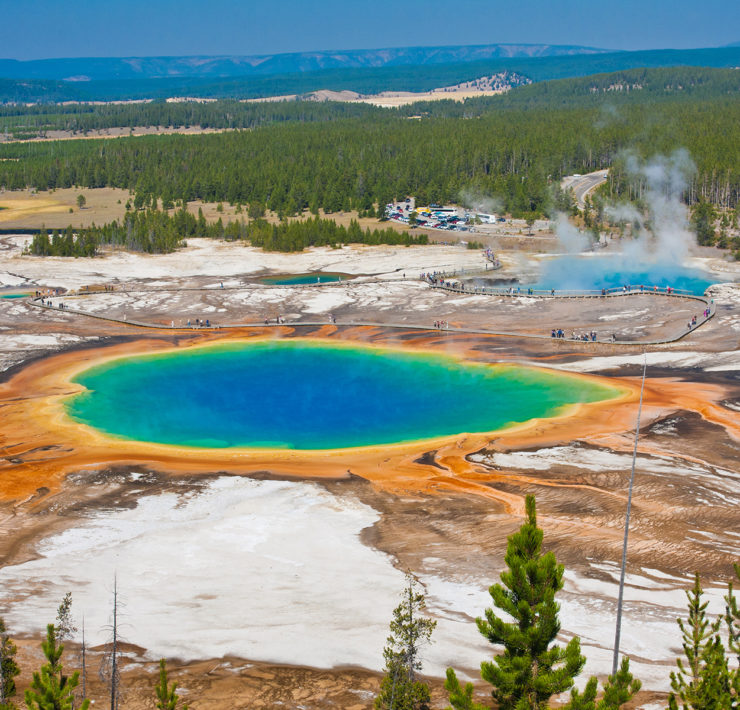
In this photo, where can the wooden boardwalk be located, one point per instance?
(618, 293)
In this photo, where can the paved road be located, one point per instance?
(583, 184)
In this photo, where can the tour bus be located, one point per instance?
(444, 211)
(486, 218)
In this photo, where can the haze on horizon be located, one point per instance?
(39, 29)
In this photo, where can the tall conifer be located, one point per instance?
(732, 620)
(532, 668)
(8, 668)
(50, 688)
(410, 630)
(702, 679)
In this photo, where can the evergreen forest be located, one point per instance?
(154, 231)
(515, 154)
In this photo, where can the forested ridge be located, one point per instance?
(515, 154)
(661, 84)
(630, 86)
(29, 121)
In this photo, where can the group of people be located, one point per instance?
(107, 288)
(441, 324)
(705, 314)
(490, 256)
(48, 303)
(432, 277)
(198, 323)
(626, 288)
(46, 292)
(585, 337)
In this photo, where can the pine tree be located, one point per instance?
(399, 689)
(702, 679)
(8, 668)
(732, 620)
(166, 696)
(531, 669)
(65, 623)
(461, 698)
(50, 688)
(618, 690)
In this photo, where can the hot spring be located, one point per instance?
(592, 273)
(314, 395)
(303, 279)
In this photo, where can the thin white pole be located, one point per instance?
(615, 662)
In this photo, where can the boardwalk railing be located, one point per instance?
(444, 282)
(42, 303)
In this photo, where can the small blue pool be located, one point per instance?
(303, 279)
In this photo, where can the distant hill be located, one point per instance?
(628, 86)
(101, 69)
(362, 79)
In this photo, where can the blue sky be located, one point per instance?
(31, 29)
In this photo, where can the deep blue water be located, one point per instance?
(301, 279)
(14, 295)
(309, 395)
(614, 271)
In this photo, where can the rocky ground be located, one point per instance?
(267, 592)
